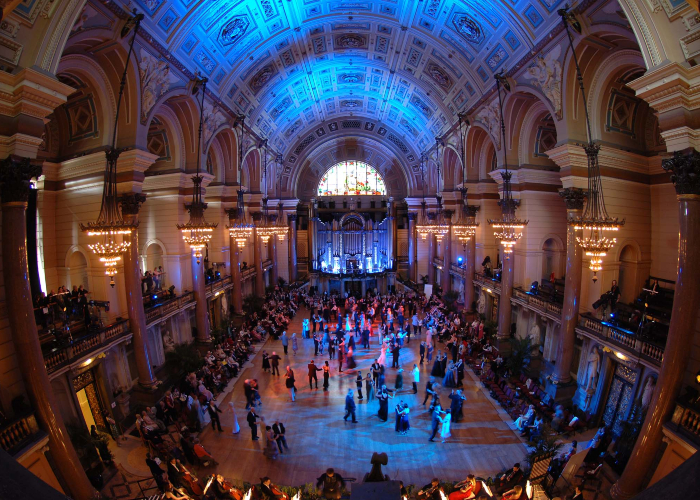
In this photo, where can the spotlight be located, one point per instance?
(198, 84)
(132, 22)
(460, 260)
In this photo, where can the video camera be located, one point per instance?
(603, 301)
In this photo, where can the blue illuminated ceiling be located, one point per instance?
(296, 67)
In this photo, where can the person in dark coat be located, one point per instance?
(156, 471)
(422, 352)
(508, 479)
(330, 483)
(395, 356)
(252, 419)
(214, 414)
(350, 407)
(312, 373)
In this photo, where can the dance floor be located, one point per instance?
(481, 444)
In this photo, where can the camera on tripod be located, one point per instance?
(603, 301)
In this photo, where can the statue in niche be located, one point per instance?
(535, 333)
(545, 74)
(592, 370)
(481, 307)
(168, 342)
(648, 391)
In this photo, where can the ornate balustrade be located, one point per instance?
(167, 307)
(686, 418)
(621, 339)
(484, 281)
(60, 356)
(540, 304)
(18, 433)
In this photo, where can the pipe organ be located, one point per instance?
(353, 245)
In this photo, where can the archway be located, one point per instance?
(551, 258)
(154, 256)
(629, 280)
(78, 270)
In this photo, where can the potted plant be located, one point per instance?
(424, 279)
(520, 355)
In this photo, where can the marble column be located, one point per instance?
(200, 298)
(445, 278)
(391, 231)
(412, 261)
(15, 174)
(272, 254)
(257, 257)
(234, 257)
(573, 198)
(292, 218)
(313, 254)
(504, 305)
(685, 170)
(131, 203)
(432, 244)
(470, 261)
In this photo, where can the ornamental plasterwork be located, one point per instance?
(489, 117)
(213, 119)
(155, 81)
(545, 74)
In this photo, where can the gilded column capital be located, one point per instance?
(291, 218)
(684, 167)
(16, 172)
(257, 216)
(412, 216)
(448, 215)
(573, 198)
(131, 203)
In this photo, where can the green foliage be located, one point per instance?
(184, 358)
(253, 303)
(86, 446)
(520, 354)
(490, 328)
(424, 279)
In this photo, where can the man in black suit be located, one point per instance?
(509, 479)
(422, 352)
(156, 471)
(395, 356)
(253, 423)
(214, 414)
(350, 407)
(266, 489)
(330, 483)
(279, 430)
(312, 373)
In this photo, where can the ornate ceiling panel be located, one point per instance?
(299, 68)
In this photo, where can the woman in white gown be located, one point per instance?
(382, 357)
(445, 429)
(347, 323)
(236, 427)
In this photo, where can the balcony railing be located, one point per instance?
(64, 354)
(486, 282)
(17, 434)
(622, 339)
(686, 418)
(163, 309)
(218, 285)
(537, 303)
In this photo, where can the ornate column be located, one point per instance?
(445, 278)
(131, 203)
(292, 219)
(391, 231)
(200, 297)
(573, 198)
(685, 175)
(431, 250)
(504, 305)
(313, 254)
(412, 217)
(234, 257)
(272, 255)
(469, 261)
(15, 174)
(257, 257)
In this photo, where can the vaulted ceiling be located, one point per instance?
(304, 71)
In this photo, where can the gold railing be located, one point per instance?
(621, 338)
(168, 307)
(14, 435)
(686, 418)
(537, 303)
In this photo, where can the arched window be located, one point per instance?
(351, 178)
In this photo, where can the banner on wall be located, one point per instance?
(428, 290)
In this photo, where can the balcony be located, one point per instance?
(167, 308)
(542, 305)
(483, 281)
(17, 434)
(619, 339)
(686, 418)
(217, 286)
(63, 351)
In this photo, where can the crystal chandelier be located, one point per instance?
(280, 228)
(466, 226)
(508, 226)
(197, 231)
(423, 226)
(110, 224)
(441, 226)
(266, 227)
(595, 221)
(240, 230)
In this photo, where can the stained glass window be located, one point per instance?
(351, 178)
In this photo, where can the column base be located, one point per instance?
(208, 340)
(150, 387)
(503, 345)
(617, 494)
(561, 392)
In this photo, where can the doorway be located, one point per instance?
(89, 399)
(619, 398)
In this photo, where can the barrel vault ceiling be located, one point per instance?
(398, 70)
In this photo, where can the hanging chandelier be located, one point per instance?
(423, 226)
(280, 228)
(508, 226)
(266, 225)
(441, 226)
(110, 224)
(466, 225)
(595, 222)
(197, 231)
(240, 230)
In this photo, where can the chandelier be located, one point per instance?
(267, 225)
(595, 222)
(423, 226)
(441, 226)
(197, 231)
(466, 226)
(280, 228)
(240, 230)
(110, 224)
(508, 226)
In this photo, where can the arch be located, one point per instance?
(553, 255)
(154, 241)
(351, 177)
(77, 265)
(630, 280)
(251, 173)
(153, 255)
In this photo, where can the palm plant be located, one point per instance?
(520, 355)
